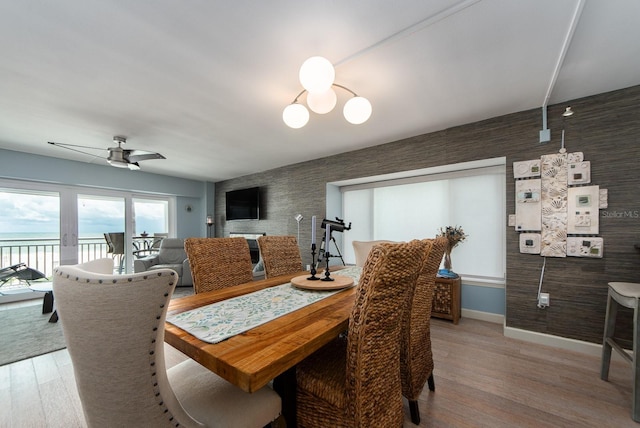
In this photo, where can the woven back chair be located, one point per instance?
(416, 358)
(280, 255)
(218, 263)
(114, 329)
(355, 381)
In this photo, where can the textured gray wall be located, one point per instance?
(605, 127)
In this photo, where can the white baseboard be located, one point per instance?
(482, 316)
(594, 349)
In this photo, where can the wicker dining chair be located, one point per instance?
(416, 358)
(114, 329)
(280, 255)
(354, 381)
(218, 263)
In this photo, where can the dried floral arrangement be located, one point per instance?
(455, 235)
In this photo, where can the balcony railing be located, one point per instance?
(44, 254)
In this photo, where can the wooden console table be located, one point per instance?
(446, 299)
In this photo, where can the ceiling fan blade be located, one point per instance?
(141, 155)
(73, 149)
(66, 146)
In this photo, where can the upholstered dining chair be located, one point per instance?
(280, 255)
(114, 329)
(218, 262)
(355, 380)
(361, 250)
(416, 357)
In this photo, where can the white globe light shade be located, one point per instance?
(322, 102)
(357, 110)
(317, 74)
(295, 115)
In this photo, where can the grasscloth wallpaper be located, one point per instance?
(605, 127)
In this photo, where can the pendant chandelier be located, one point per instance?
(317, 77)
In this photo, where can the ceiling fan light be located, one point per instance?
(118, 163)
(295, 115)
(317, 74)
(322, 102)
(357, 110)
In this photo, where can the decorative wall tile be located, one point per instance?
(526, 169)
(530, 243)
(554, 205)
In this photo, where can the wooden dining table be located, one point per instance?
(270, 351)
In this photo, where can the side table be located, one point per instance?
(446, 299)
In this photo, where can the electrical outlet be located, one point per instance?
(544, 300)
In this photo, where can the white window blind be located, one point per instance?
(416, 208)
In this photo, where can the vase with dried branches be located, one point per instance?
(454, 235)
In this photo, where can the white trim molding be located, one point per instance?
(482, 316)
(593, 349)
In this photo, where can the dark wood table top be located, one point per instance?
(251, 359)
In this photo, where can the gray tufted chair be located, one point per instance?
(114, 329)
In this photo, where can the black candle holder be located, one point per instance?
(313, 272)
(327, 274)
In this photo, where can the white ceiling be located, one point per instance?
(204, 82)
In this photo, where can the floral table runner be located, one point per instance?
(218, 321)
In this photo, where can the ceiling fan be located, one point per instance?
(118, 157)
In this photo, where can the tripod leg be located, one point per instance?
(338, 250)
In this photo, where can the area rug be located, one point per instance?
(26, 332)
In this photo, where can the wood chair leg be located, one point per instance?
(635, 404)
(415, 412)
(432, 384)
(609, 333)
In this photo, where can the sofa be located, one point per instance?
(171, 255)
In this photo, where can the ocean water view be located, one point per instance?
(40, 235)
(41, 251)
(26, 237)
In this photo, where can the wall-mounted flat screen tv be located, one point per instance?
(243, 204)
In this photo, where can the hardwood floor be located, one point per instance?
(483, 379)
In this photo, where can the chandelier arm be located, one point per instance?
(345, 88)
(295, 100)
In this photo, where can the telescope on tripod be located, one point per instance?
(334, 226)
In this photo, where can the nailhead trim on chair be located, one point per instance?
(152, 362)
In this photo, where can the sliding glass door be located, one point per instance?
(45, 225)
(29, 228)
(101, 220)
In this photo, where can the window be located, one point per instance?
(417, 207)
(150, 216)
(48, 225)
